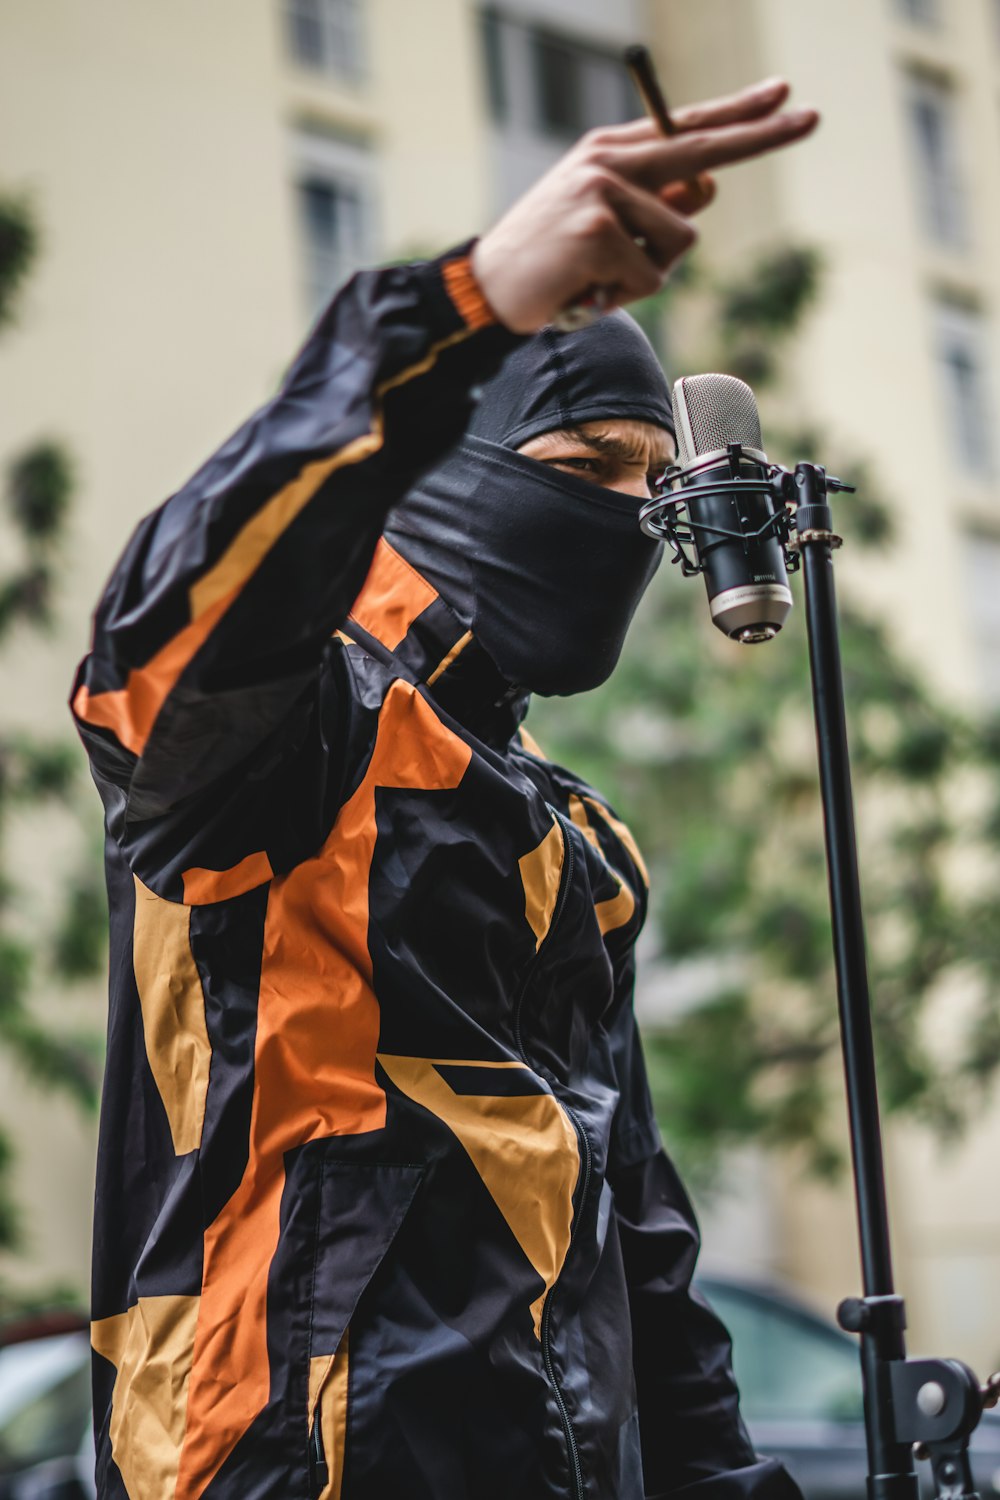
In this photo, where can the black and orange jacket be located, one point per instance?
(381, 1206)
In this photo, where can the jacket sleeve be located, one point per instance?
(694, 1443)
(216, 616)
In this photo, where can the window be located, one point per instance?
(491, 35)
(326, 34)
(558, 79)
(576, 87)
(982, 559)
(961, 358)
(549, 84)
(931, 117)
(923, 12)
(335, 203)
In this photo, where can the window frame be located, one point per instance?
(942, 200)
(343, 163)
(967, 415)
(341, 32)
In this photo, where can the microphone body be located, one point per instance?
(737, 549)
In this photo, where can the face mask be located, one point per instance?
(545, 569)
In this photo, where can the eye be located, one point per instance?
(577, 465)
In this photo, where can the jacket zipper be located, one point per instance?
(586, 1166)
(586, 1157)
(319, 1474)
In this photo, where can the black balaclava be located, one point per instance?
(544, 568)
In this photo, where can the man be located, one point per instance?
(381, 1208)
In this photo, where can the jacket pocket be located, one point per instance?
(360, 1209)
(328, 1421)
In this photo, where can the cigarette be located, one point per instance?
(640, 64)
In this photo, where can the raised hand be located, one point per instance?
(614, 212)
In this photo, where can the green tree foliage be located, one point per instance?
(36, 771)
(709, 751)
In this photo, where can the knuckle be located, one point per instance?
(697, 142)
(595, 180)
(685, 236)
(595, 140)
(598, 221)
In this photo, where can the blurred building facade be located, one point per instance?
(205, 176)
(901, 361)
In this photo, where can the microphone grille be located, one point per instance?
(712, 411)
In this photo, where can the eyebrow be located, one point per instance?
(629, 450)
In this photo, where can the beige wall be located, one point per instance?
(161, 309)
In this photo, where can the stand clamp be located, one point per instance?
(816, 535)
(932, 1404)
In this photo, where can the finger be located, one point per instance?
(661, 158)
(657, 229)
(751, 103)
(701, 151)
(679, 157)
(692, 196)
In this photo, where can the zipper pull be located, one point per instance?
(319, 1474)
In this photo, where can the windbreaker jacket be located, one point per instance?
(381, 1206)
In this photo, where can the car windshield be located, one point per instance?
(789, 1366)
(44, 1398)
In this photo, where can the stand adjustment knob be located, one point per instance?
(932, 1399)
(853, 1316)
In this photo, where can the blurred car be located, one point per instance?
(800, 1388)
(799, 1378)
(46, 1447)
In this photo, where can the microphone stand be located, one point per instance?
(914, 1408)
(934, 1403)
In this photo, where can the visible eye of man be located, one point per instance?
(590, 467)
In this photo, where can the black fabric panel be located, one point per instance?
(635, 1134)
(448, 936)
(764, 1480)
(110, 1485)
(688, 1402)
(136, 1165)
(282, 799)
(508, 1083)
(172, 1256)
(590, 1326)
(339, 1216)
(112, 767)
(269, 1462)
(360, 1211)
(227, 943)
(448, 1394)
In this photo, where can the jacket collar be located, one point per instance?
(400, 618)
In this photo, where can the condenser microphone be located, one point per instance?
(738, 546)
